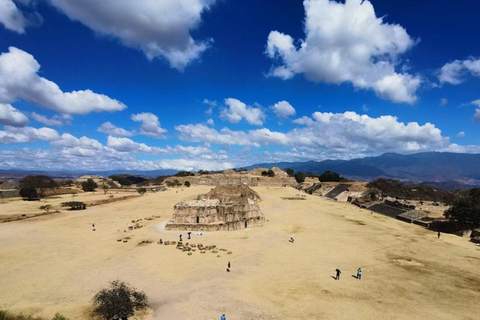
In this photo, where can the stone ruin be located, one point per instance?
(224, 208)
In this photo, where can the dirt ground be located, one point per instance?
(56, 263)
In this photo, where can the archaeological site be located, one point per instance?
(224, 208)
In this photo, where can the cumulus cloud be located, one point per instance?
(346, 42)
(455, 72)
(150, 125)
(10, 116)
(344, 133)
(210, 122)
(238, 111)
(19, 79)
(461, 134)
(476, 102)
(283, 109)
(158, 28)
(56, 120)
(111, 129)
(26, 134)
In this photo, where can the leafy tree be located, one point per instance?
(119, 301)
(29, 193)
(289, 172)
(299, 177)
(39, 182)
(142, 191)
(187, 184)
(184, 174)
(89, 185)
(329, 176)
(466, 209)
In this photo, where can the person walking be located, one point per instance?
(359, 273)
(93, 227)
(188, 235)
(438, 235)
(180, 238)
(337, 274)
(223, 317)
(292, 239)
(228, 266)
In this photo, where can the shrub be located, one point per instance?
(119, 300)
(4, 315)
(46, 207)
(187, 184)
(75, 205)
(58, 316)
(268, 173)
(372, 194)
(29, 193)
(142, 190)
(289, 172)
(89, 185)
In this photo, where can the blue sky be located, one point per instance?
(191, 84)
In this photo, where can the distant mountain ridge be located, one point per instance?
(450, 170)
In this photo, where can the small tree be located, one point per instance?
(142, 191)
(187, 184)
(119, 301)
(39, 182)
(289, 172)
(299, 177)
(466, 210)
(29, 193)
(89, 185)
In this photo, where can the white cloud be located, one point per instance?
(461, 134)
(11, 17)
(56, 120)
(211, 103)
(111, 129)
(69, 141)
(158, 28)
(27, 134)
(455, 72)
(476, 116)
(10, 116)
(443, 102)
(283, 109)
(19, 80)
(344, 133)
(237, 111)
(210, 122)
(346, 42)
(150, 125)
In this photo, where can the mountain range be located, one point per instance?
(441, 169)
(447, 170)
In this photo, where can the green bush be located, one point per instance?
(466, 209)
(187, 184)
(329, 176)
(299, 177)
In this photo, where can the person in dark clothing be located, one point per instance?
(228, 264)
(359, 273)
(438, 235)
(188, 235)
(337, 272)
(180, 238)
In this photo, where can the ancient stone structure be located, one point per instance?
(223, 208)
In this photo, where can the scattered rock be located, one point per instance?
(189, 253)
(229, 252)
